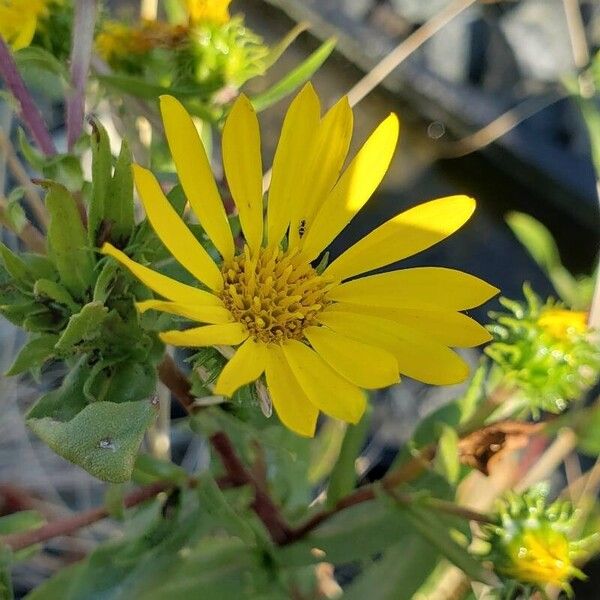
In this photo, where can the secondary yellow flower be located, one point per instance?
(208, 11)
(118, 41)
(561, 322)
(19, 19)
(318, 337)
(541, 557)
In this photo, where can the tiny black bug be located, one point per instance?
(302, 227)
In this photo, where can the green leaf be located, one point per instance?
(131, 381)
(101, 179)
(430, 526)
(447, 461)
(17, 523)
(282, 45)
(42, 59)
(113, 500)
(82, 326)
(294, 78)
(103, 438)
(352, 534)
(118, 204)
(149, 469)
(141, 88)
(67, 241)
(475, 394)
(32, 155)
(536, 238)
(15, 266)
(398, 574)
(6, 587)
(33, 354)
(343, 476)
(105, 281)
(587, 426)
(175, 559)
(46, 288)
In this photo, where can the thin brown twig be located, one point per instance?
(18, 541)
(18, 170)
(405, 48)
(500, 126)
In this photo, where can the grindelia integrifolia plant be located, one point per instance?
(120, 260)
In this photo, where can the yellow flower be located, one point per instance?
(318, 337)
(208, 11)
(541, 557)
(117, 40)
(19, 19)
(560, 322)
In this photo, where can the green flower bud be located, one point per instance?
(545, 351)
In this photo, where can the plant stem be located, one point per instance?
(28, 111)
(81, 52)
(18, 541)
(264, 507)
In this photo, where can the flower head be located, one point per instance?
(19, 20)
(548, 352)
(208, 11)
(119, 44)
(319, 336)
(531, 544)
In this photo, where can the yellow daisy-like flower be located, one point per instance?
(208, 11)
(18, 20)
(318, 337)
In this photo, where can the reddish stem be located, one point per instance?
(28, 111)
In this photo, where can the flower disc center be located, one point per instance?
(274, 294)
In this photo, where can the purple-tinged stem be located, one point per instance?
(28, 111)
(81, 52)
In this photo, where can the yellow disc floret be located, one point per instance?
(275, 294)
(541, 557)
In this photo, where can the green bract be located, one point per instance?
(532, 543)
(545, 351)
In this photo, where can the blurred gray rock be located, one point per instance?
(418, 11)
(537, 31)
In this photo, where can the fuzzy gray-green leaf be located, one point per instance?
(103, 438)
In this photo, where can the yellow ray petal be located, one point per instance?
(245, 366)
(445, 326)
(173, 232)
(419, 287)
(404, 235)
(299, 128)
(354, 188)
(324, 164)
(195, 312)
(231, 334)
(328, 391)
(292, 405)
(243, 168)
(418, 357)
(195, 174)
(361, 364)
(161, 284)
